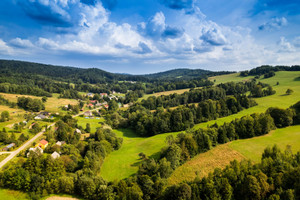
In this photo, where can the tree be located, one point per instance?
(88, 128)
(289, 91)
(4, 116)
(44, 99)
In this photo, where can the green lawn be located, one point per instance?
(93, 122)
(124, 162)
(6, 194)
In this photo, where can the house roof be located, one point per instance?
(55, 155)
(43, 142)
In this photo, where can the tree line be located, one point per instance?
(147, 123)
(268, 70)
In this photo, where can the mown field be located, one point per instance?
(122, 163)
(53, 104)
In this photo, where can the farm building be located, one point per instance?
(8, 146)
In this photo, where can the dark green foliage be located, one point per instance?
(30, 104)
(148, 123)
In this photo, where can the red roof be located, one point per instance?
(106, 106)
(43, 142)
(93, 101)
(90, 104)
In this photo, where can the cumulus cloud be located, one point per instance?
(21, 43)
(213, 37)
(157, 28)
(275, 24)
(49, 12)
(285, 46)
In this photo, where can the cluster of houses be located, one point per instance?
(40, 147)
(102, 95)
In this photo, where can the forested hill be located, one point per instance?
(10, 68)
(178, 73)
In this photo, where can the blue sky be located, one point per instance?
(145, 36)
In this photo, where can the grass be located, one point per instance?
(221, 155)
(93, 122)
(6, 194)
(204, 163)
(124, 162)
(252, 148)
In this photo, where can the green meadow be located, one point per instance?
(124, 162)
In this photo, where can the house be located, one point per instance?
(103, 95)
(37, 150)
(106, 106)
(88, 114)
(43, 144)
(90, 105)
(55, 155)
(77, 131)
(98, 104)
(90, 94)
(41, 116)
(93, 101)
(8, 146)
(60, 143)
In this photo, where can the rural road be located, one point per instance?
(16, 152)
(26, 144)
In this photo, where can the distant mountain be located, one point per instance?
(179, 74)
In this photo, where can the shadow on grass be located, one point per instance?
(297, 79)
(128, 133)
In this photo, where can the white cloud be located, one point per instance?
(274, 24)
(285, 46)
(21, 43)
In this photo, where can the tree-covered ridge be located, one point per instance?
(269, 70)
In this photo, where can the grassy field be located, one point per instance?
(253, 147)
(204, 163)
(52, 104)
(164, 93)
(221, 155)
(12, 195)
(124, 162)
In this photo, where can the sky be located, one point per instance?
(147, 36)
